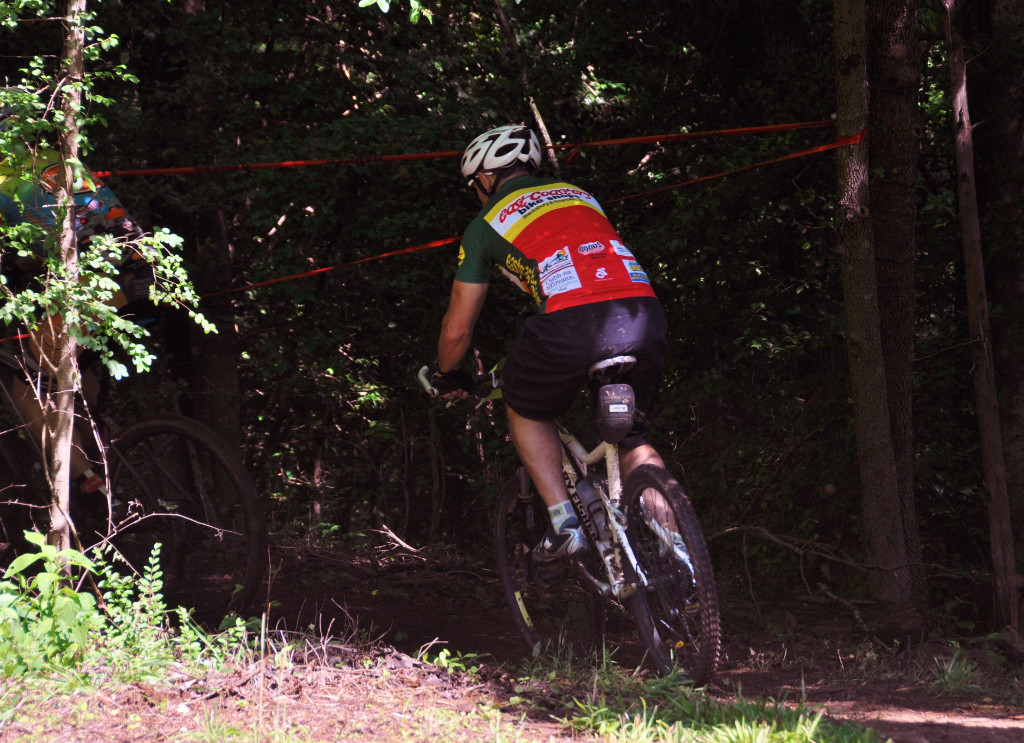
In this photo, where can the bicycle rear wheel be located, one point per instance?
(173, 481)
(556, 614)
(677, 614)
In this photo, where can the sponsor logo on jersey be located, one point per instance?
(589, 248)
(559, 259)
(462, 254)
(521, 274)
(636, 273)
(515, 265)
(557, 273)
(621, 249)
(528, 201)
(515, 280)
(601, 273)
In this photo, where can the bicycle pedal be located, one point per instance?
(547, 572)
(549, 576)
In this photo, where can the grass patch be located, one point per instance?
(143, 670)
(597, 696)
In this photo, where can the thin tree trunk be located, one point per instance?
(513, 48)
(986, 401)
(878, 483)
(60, 406)
(216, 390)
(894, 74)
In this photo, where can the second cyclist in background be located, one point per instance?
(592, 300)
(26, 196)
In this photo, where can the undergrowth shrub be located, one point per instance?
(43, 622)
(130, 633)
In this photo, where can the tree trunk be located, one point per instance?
(894, 75)
(215, 388)
(986, 401)
(214, 382)
(59, 407)
(878, 483)
(996, 85)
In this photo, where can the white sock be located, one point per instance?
(563, 517)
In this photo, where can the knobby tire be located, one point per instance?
(174, 481)
(677, 615)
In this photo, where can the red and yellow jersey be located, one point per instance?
(554, 241)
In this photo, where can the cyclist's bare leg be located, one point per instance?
(630, 459)
(30, 411)
(540, 451)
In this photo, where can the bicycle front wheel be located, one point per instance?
(556, 615)
(677, 613)
(174, 481)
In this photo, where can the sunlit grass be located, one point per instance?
(693, 717)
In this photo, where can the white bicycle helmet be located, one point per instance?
(499, 148)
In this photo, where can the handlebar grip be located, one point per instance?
(423, 376)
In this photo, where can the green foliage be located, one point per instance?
(953, 676)
(457, 662)
(416, 9)
(76, 296)
(142, 635)
(755, 414)
(622, 705)
(132, 635)
(43, 622)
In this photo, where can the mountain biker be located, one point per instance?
(592, 301)
(26, 196)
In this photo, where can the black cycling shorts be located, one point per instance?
(548, 361)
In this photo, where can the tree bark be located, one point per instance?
(214, 380)
(894, 75)
(996, 87)
(986, 400)
(215, 387)
(59, 408)
(878, 482)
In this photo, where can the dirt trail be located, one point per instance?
(416, 600)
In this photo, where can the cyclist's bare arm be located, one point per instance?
(457, 326)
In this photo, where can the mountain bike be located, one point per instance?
(171, 480)
(646, 551)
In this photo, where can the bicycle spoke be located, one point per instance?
(175, 475)
(555, 613)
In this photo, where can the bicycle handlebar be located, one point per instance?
(423, 377)
(486, 386)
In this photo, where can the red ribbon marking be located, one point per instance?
(428, 155)
(840, 141)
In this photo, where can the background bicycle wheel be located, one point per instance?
(173, 482)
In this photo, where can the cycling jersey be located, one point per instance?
(24, 199)
(554, 242)
(97, 211)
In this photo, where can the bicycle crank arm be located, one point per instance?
(598, 586)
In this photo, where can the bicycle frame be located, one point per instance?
(576, 461)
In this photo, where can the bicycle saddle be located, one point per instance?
(608, 369)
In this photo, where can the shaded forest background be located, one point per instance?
(314, 377)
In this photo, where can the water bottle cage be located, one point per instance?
(616, 407)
